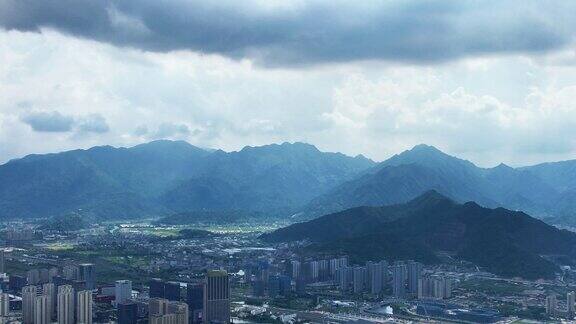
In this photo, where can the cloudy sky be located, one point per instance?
(490, 81)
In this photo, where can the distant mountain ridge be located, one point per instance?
(413, 172)
(165, 177)
(505, 242)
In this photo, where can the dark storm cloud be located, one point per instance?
(310, 32)
(56, 122)
(48, 121)
(93, 123)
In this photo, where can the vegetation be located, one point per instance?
(165, 177)
(65, 223)
(504, 242)
(114, 263)
(187, 233)
(207, 216)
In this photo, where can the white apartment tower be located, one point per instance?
(65, 304)
(84, 307)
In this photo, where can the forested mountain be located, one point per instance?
(286, 180)
(411, 173)
(163, 177)
(505, 242)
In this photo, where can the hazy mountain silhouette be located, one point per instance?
(413, 172)
(163, 177)
(166, 177)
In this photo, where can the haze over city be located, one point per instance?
(287, 161)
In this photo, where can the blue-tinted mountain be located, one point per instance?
(508, 243)
(562, 177)
(272, 177)
(106, 181)
(164, 177)
(413, 172)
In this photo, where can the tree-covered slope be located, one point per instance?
(505, 242)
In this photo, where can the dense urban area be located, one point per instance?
(287, 161)
(149, 273)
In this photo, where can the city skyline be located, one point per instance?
(287, 161)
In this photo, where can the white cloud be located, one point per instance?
(514, 109)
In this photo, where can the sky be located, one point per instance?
(489, 81)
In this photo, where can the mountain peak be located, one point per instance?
(422, 152)
(425, 148)
(503, 166)
(429, 156)
(168, 147)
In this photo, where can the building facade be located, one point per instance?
(84, 307)
(217, 297)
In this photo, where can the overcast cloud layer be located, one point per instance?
(278, 33)
(489, 81)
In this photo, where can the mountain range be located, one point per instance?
(504, 242)
(296, 180)
(547, 191)
(166, 177)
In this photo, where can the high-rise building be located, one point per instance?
(172, 291)
(217, 297)
(359, 282)
(344, 277)
(87, 273)
(414, 274)
(551, 305)
(376, 276)
(337, 263)
(43, 276)
(28, 304)
(70, 272)
(179, 309)
(296, 265)
(333, 266)
(436, 286)
(65, 304)
(162, 319)
(314, 270)
(258, 288)
(305, 274)
(122, 291)
(53, 272)
(17, 283)
(2, 261)
(156, 288)
(48, 289)
(42, 309)
(279, 285)
(4, 304)
(399, 280)
(157, 306)
(127, 312)
(195, 300)
(163, 311)
(84, 307)
(33, 276)
(323, 270)
(263, 271)
(570, 302)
